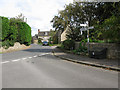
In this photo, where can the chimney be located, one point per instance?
(38, 30)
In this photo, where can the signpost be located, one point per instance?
(86, 28)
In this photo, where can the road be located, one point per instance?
(38, 68)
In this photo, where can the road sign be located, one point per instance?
(91, 27)
(83, 29)
(84, 25)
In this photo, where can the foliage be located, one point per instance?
(24, 35)
(81, 50)
(39, 40)
(5, 28)
(55, 39)
(98, 14)
(111, 28)
(15, 30)
(68, 44)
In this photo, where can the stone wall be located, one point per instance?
(17, 46)
(113, 50)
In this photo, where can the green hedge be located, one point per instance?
(24, 33)
(15, 31)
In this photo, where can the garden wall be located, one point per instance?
(113, 49)
(17, 46)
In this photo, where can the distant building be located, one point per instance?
(43, 35)
(35, 39)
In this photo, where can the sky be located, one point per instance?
(39, 13)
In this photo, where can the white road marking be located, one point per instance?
(44, 54)
(5, 62)
(24, 58)
(16, 60)
(29, 57)
(35, 56)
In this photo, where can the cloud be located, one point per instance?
(39, 13)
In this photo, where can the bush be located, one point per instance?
(82, 48)
(39, 40)
(69, 44)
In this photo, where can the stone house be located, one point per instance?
(64, 34)
(43, 35)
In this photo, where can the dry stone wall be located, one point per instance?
(113, 50)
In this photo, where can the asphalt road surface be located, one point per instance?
(38, 68)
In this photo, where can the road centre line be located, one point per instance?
(16, 60)
(29, 57)
(35, 56)
(5, 62)
(24, 58)
(44, 54)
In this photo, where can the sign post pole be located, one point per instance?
(86, 29)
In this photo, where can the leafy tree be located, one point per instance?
(111, 28)
(98, 14)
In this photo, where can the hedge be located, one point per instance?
(15, 31)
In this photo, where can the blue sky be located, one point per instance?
(38, 12)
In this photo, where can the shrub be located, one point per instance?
(82, 48)
(39, 40)
(69, 44)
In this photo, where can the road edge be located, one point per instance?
(88, 63)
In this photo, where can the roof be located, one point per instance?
(44, 33)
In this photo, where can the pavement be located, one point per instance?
(101, 63)
(37, 67)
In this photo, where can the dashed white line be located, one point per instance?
(16, 60)
(44, 54)
(5, 62)
(35, 56)
(30, 57)
(24, 58)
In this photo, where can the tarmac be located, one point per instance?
(108, 64)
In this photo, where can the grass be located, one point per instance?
(54, 44)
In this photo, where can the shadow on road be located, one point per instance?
(38, 50)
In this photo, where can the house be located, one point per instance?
(43, 35)
(64, 34)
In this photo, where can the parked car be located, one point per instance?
(45, 43)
